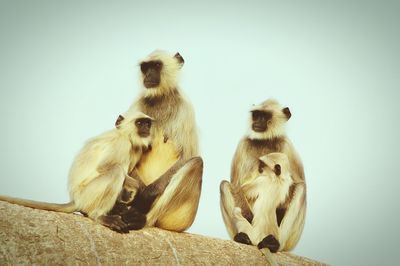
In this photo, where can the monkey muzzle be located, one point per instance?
(259, 127)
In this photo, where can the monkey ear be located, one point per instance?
(180, 59)
(119, 121)
(277, 169)
(287, 112)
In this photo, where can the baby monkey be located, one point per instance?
(100, 171)
(268, 191)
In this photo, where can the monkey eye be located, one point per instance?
(144, 67)
(158, 65)
(277, 169)
(143, 121)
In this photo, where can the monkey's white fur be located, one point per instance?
(267, 191)
(99, 170)
(276, 127)
(169, 73)
(175, 139)
(244, 171)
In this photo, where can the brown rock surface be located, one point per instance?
(35, 237)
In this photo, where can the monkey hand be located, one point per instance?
(165, 138)
(144, 199)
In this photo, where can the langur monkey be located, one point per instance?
(268, 191)
(266, 135)
(100, 169)
(171, 172)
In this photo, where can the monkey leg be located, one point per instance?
(176, 208)
(227, 204)
(292, 223)
(146, 195)
(236, 220)
(98, 197)
(134, 213)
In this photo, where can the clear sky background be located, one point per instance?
(69, 68)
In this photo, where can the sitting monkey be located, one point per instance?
(99, 172)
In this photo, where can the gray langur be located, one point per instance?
(266, 135)
(170, 174)
(99, 172)
(268, 191)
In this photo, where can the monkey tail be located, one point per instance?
(65, 207)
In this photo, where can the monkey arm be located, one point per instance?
(296, 164)
(186, 134)
(242, 203)
(132, 185)
(237, 167)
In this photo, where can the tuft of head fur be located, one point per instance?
(169, 74)
(276, 126)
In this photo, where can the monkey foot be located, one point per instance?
(134, 219)
(114, 222)
(242, 238)
(118, 209)
(269, 242)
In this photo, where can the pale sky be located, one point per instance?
(68, 69)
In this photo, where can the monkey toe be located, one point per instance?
(242, 238)
(269, 242)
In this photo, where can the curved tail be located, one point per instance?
(66, 207)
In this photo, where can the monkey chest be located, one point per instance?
(158, 160)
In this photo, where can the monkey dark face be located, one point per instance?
(261, 166)
(277, 169)
(260, 120)
(151, 73)
(143, 126)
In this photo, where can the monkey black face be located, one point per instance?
(152, 73)
(143, 125)
(260, 120)
(277, 168)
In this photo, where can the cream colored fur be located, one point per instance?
(98, 172)
(268, 191)
(170, 74)
(244, 174)
(276, 127)
(175, 138)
